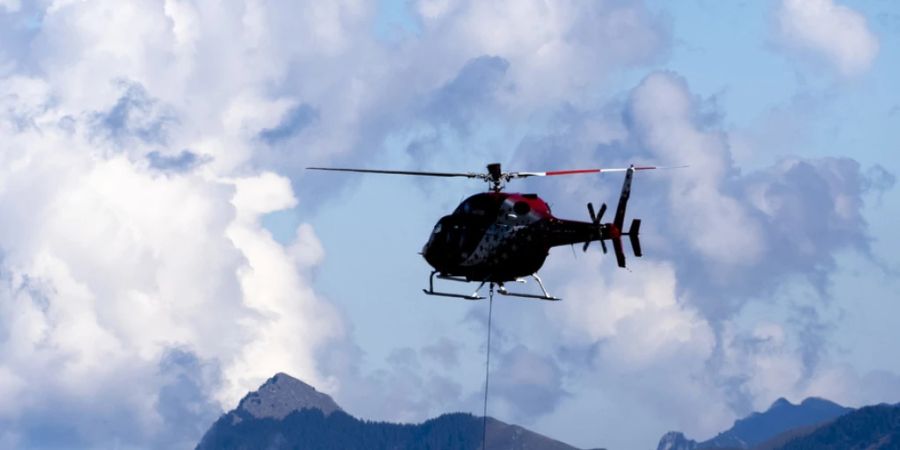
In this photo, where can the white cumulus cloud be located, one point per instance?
(833, 31)
(108, 266)
(139, 293)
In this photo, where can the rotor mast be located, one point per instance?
(495, 177)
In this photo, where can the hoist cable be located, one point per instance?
(487, 369)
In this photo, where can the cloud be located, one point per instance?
(736, 235)
(11, 6)
(670, 335)
(184, 404)
(414, 389)
(527, 384)
(834, 32)
(133, 184)
(184, 160)
(294, 121)
(444, 351)
(554, 49)
(749, 231)
(879, 180)
(134, 115)
(847, 386)
(643, 336)
(662, 114)
(474, 87)
(139, 293)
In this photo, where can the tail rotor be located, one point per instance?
(595, 219)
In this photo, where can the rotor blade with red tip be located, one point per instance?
(401, 172)
(585, 171)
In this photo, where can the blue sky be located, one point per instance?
(160, 230)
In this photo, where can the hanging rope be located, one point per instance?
(487, 369)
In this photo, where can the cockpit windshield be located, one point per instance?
(480, 205)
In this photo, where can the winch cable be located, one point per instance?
(487, 369)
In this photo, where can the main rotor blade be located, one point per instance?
(401, 172)
(585, 171)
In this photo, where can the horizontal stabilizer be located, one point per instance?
(633, 233)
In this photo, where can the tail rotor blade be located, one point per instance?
(591, 212)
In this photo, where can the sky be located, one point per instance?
(163, 251)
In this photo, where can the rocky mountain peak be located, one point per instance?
(283, 394)
(675, 440)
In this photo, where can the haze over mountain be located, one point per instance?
(286, 413)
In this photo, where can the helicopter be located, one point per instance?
(497, 237)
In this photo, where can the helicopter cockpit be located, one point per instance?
(484, 205)
(455, 236)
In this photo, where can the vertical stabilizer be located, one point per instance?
(619, 220)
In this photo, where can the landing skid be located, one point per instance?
(501, 288)
(431, 291)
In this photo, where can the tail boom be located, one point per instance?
(571, 232)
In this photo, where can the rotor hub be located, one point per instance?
(495, 176)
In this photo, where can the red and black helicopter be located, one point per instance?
(498, 237)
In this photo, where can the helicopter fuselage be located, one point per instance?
(500, 237)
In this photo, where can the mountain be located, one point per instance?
(871, 427)
(286, 413)
(675, 440)
(782, 439)
(283, 394)
(757, 428)
(780, 417)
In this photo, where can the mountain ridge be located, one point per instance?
(870, 427)
(286, 413)
(760, 427)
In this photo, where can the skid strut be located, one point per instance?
(503, 291)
